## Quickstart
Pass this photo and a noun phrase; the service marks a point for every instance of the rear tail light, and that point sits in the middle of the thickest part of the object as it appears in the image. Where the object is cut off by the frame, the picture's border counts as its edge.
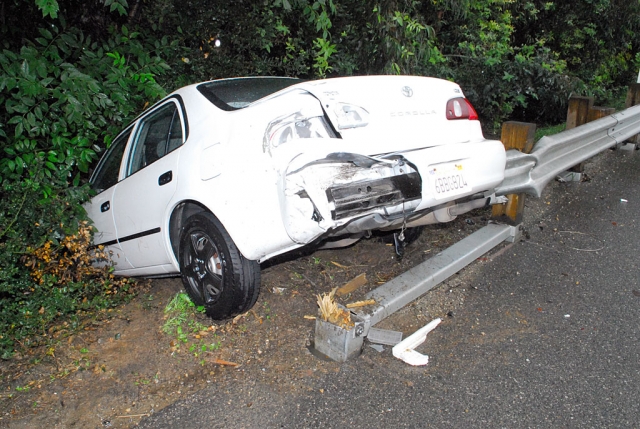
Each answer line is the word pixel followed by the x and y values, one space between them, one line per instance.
pixel 461 108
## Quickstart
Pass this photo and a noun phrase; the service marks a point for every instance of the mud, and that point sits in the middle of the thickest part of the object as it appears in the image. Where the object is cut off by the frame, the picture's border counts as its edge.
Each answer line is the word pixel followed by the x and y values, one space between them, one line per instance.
pixel 121 367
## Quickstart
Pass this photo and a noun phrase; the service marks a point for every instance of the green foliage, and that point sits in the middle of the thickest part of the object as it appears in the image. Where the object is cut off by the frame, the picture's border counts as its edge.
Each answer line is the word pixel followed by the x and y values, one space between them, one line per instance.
pixel 65 96
pixel 180 321
pixel 406 43
pixel 182 324
pixel 503 81
pixel 48 7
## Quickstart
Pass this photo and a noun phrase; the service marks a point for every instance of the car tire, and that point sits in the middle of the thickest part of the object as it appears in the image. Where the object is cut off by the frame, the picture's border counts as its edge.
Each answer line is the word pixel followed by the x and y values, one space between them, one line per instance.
pixel 214 272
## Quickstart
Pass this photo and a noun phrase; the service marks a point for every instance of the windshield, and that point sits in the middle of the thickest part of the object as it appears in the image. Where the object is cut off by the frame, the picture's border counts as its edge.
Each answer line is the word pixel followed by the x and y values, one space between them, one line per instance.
pixel 233 94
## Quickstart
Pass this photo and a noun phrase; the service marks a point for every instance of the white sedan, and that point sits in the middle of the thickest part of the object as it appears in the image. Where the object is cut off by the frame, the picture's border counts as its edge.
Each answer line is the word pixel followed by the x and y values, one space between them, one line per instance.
pixel 223 175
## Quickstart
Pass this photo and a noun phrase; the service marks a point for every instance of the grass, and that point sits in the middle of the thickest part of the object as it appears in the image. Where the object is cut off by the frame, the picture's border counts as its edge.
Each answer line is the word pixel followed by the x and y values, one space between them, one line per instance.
pixel 549 130
pixel 182 324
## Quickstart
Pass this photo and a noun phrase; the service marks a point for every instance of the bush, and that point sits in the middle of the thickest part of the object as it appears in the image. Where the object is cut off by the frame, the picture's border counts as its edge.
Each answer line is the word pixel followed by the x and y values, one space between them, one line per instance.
pixel 65 98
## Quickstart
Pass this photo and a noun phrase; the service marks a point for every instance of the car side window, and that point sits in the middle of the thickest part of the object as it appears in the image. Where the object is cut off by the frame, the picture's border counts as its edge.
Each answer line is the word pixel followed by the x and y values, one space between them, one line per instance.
pixel 157 135
pixel 107 172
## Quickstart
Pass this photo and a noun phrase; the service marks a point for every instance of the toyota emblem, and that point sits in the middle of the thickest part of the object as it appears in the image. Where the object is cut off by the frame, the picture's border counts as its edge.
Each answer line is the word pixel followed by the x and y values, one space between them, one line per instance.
pixel 407 91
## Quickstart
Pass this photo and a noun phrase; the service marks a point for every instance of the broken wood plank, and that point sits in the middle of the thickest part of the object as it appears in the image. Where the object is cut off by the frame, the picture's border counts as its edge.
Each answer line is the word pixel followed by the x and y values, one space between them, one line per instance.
pixel 352 285
pixel 361 303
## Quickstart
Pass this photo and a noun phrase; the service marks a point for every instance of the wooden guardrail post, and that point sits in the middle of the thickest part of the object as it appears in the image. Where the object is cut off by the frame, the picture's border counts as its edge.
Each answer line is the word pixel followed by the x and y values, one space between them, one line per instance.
pixel 578 114
pixel 578 111
pixel 520 136
pixel 633 95
pixel 599 112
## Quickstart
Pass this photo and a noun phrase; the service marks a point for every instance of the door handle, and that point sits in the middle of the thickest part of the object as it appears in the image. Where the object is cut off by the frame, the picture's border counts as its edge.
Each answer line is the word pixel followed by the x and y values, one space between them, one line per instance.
pixel 165 178
pixel 105 206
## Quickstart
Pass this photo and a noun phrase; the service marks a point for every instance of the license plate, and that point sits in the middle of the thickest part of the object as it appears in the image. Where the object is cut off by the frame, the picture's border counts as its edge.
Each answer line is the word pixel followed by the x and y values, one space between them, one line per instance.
pixel 448 180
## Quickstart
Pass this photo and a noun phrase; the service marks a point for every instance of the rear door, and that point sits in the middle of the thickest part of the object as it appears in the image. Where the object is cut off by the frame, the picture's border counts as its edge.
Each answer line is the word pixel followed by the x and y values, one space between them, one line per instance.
pixel 141 200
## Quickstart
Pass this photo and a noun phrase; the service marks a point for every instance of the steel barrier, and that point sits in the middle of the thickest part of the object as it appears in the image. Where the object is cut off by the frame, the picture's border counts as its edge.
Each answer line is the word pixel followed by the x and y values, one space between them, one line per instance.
pixel 552 155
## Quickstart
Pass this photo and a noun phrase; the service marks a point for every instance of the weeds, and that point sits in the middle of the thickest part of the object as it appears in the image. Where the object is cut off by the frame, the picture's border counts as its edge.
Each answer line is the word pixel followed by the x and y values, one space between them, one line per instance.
pixel 181 323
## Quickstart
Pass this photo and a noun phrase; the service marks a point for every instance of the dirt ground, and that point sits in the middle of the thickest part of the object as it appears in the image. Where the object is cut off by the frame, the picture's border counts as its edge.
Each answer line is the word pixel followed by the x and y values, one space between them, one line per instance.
pixel 122 367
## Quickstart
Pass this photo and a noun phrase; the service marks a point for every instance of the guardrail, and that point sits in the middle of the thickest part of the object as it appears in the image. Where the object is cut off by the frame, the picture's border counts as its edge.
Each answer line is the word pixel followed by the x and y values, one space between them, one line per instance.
pixel 530 172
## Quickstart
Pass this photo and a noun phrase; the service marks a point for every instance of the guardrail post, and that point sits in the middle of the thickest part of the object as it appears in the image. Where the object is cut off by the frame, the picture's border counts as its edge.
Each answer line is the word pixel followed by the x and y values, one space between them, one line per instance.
pixel 633 95
pixel 633 98
pixel 599 112
pixel 520 136
pixel 578 111
pixel 578 114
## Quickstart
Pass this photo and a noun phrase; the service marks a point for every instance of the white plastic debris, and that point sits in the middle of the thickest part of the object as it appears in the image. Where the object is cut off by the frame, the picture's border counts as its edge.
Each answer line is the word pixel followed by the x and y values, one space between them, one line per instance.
pixel 404 350
pixel 384 336
pixel 566 316
pixel 622 200
pixel 377 347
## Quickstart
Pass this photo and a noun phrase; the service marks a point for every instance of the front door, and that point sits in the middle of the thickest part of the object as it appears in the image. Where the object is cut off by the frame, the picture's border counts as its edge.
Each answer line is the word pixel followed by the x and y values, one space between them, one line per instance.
pixel 100 209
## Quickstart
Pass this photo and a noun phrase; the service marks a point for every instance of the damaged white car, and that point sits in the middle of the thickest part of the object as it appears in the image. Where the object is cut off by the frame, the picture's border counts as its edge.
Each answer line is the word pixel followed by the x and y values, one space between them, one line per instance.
pixel 223 175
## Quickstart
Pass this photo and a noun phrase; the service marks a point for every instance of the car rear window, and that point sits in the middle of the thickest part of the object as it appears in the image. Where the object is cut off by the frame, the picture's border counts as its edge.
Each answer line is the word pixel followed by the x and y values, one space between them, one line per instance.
pixel 233 94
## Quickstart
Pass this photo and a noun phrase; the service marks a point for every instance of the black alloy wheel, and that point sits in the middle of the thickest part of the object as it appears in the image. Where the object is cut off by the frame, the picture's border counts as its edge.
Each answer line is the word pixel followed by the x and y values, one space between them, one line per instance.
pixel 214 272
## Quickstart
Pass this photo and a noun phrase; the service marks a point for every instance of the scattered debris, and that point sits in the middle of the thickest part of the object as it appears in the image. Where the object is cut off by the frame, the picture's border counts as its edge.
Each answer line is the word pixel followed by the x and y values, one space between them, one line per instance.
pixel 330 312
pixel 309 280
pixel 583 234
pixel 278 290
pixel 306 316
pixel 339 265
pixel 377 347
pixel 361 303
pixel 128 416
pixel 352 285
pixel 384 336
pixel 225 363
pixel 404 350
pixel 622 200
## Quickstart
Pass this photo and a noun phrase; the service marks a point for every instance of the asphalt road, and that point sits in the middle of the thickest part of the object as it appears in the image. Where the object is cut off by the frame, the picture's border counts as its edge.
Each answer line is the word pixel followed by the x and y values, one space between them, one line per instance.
pixel 547 337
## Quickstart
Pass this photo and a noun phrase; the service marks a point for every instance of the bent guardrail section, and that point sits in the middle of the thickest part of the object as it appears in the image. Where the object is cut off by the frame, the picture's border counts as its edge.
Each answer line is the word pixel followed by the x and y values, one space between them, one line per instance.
pixel 552 155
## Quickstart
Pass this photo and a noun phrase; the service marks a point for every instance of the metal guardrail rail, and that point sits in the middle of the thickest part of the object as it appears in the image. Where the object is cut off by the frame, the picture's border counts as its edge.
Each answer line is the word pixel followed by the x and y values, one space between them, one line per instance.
pixel 552 155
